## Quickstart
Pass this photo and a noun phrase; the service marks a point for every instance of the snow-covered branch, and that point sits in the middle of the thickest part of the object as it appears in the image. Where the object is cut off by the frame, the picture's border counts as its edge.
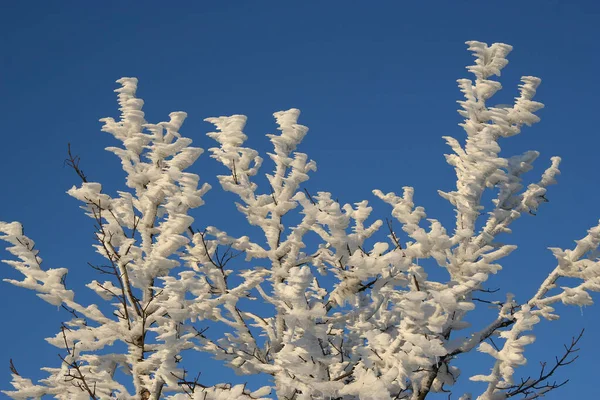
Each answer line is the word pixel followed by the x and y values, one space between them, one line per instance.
pixel 341 308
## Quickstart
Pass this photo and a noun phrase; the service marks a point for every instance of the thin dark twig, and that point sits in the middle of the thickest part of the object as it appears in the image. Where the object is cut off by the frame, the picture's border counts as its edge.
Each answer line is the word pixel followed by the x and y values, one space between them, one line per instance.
pixel 531 388
pixel 393 234
pixel 73 162
pixel 12 368
pixel 309 197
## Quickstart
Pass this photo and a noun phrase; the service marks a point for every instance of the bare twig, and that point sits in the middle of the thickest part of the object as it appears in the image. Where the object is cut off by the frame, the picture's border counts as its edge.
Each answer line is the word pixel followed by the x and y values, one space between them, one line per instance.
pixel 12 368
pixel 73 162
pixel 535 388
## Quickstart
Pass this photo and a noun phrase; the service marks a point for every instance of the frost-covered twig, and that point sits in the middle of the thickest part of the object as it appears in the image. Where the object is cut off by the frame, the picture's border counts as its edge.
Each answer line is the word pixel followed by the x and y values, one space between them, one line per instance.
pixel 342 314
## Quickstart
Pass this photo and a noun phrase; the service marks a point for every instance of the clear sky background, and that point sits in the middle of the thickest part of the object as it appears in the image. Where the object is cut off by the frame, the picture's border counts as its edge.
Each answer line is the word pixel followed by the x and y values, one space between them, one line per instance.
pixel 376 83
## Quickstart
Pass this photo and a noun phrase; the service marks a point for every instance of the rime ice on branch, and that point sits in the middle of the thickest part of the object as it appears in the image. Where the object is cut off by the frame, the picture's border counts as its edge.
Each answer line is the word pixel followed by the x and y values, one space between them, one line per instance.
pixel 352 318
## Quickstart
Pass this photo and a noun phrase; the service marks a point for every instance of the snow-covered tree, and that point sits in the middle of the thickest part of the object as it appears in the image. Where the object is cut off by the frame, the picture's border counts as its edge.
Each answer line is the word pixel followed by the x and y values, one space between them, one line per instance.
pixel 353 317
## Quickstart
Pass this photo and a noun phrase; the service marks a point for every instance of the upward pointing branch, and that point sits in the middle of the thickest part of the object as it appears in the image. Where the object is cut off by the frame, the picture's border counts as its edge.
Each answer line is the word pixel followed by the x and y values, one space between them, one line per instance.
pixel 73 162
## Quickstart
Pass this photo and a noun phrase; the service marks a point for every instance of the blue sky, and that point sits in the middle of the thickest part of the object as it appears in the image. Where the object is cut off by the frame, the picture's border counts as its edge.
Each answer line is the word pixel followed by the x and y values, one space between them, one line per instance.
pixel 376 85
